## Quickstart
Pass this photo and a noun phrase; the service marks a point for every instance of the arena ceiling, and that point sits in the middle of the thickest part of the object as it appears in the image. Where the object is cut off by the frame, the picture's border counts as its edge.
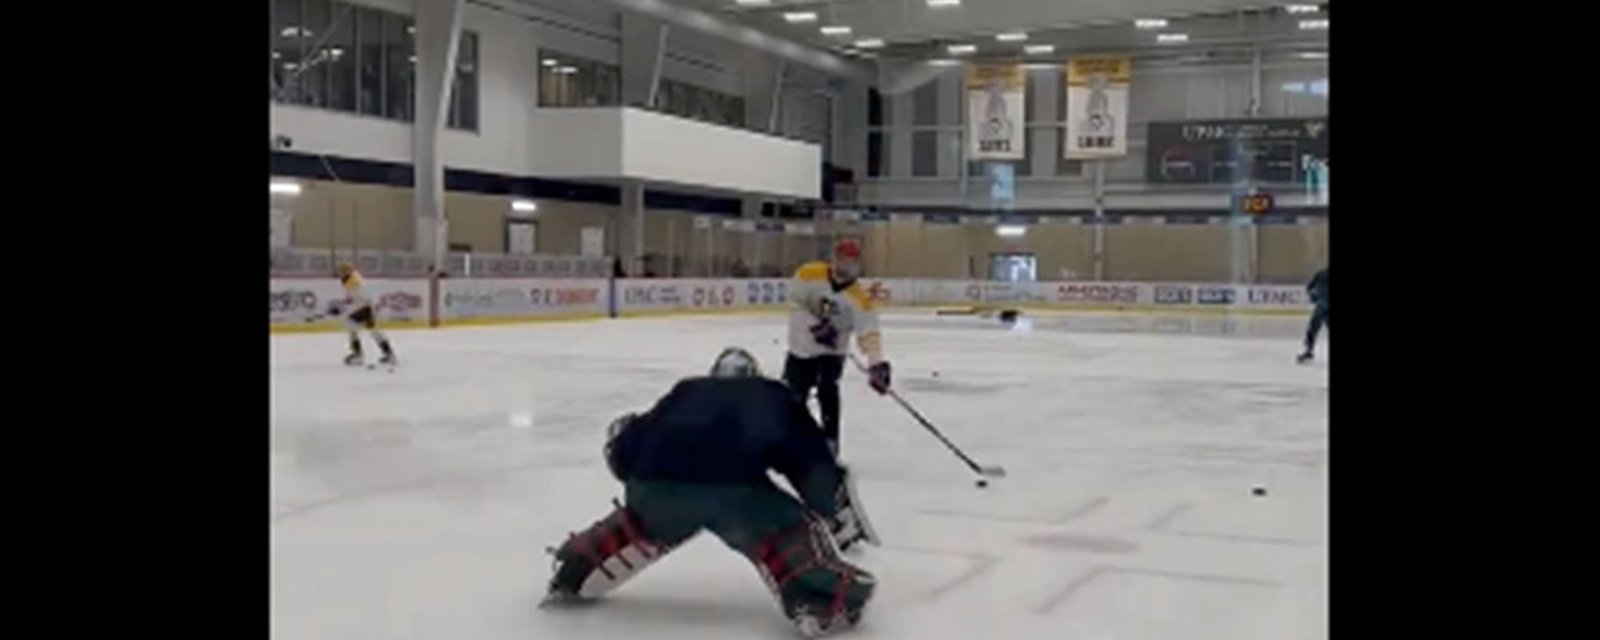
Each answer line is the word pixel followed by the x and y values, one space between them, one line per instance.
pixel 916 29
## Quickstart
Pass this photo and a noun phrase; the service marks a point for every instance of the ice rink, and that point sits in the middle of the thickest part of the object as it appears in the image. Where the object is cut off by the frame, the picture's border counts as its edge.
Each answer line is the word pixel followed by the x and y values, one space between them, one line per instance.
pixel 418 503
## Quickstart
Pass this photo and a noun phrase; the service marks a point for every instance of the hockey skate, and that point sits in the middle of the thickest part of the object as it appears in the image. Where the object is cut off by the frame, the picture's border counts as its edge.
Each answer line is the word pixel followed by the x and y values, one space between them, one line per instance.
pixel 388 359
pixel 355 359
pixel 1303 358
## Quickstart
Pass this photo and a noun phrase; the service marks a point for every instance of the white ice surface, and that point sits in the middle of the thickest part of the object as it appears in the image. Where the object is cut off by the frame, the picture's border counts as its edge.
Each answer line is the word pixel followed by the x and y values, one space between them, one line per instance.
pixel 417 504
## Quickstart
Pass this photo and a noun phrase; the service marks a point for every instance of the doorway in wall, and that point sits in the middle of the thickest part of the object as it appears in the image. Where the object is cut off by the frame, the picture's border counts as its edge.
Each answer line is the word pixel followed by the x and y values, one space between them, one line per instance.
pixel 1013 267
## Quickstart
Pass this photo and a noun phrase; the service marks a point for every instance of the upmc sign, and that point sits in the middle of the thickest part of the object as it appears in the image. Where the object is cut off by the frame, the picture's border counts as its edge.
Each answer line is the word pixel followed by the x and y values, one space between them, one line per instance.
pixel 1276 296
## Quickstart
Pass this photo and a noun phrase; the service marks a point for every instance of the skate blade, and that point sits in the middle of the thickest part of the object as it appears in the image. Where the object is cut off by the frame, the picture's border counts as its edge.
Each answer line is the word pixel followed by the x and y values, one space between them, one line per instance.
pixel 811 626
pixel 562 601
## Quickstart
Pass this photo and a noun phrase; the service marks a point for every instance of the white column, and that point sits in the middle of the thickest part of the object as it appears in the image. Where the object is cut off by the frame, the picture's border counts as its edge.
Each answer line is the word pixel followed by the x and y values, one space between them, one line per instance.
pixel 438 26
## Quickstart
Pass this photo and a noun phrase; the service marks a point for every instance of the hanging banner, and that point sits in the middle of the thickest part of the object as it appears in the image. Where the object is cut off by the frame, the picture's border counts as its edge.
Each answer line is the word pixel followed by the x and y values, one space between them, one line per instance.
pixel 1097 107
pixel 996 111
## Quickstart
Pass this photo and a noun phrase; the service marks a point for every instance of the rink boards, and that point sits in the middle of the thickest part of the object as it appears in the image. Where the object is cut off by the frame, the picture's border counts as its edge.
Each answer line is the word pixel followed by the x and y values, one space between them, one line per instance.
pixel 299 304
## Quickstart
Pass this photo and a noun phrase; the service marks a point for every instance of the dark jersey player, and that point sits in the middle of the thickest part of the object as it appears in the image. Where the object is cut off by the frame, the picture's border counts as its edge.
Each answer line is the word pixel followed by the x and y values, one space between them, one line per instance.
pixel 1318 291
pixel 699 460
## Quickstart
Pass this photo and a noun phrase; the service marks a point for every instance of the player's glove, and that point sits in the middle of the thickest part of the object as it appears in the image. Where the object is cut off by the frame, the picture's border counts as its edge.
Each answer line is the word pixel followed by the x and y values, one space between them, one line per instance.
pixel 825 334
pixel 878 377
pixel 614 461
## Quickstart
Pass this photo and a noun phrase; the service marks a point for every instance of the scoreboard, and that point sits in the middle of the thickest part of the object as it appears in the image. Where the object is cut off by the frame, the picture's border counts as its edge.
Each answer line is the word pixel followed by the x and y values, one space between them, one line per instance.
pixel 1272 151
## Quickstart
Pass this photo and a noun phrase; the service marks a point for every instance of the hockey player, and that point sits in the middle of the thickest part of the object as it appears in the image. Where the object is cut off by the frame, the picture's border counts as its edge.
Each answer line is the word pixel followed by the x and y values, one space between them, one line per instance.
pixel 699 460
pixel 358 313
pixel 829 305
pixel 1317 289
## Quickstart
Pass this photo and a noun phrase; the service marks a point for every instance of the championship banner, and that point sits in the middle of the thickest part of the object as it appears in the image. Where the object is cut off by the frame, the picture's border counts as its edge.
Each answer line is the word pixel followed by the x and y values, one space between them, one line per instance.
pixel 1097 107
pixel 996 111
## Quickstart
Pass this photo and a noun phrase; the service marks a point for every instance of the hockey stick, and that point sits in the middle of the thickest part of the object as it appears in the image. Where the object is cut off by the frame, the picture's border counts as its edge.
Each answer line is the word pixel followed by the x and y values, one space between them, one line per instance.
pixel 987 471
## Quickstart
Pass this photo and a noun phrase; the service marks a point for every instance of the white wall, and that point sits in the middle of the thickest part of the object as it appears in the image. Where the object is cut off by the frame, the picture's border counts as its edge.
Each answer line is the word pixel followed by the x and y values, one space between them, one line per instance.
pixel 576 143
pixel 341 134
pixel 669 149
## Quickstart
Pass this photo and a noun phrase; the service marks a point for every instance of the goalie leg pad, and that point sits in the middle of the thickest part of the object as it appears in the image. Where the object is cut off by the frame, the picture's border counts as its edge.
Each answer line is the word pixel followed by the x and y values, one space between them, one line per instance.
pixel 602 557
pixel 849 524
pixel 818 591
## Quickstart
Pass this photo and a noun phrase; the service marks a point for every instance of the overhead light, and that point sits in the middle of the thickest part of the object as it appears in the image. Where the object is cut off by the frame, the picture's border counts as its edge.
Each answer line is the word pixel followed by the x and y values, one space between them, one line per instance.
pixel 753 3
pixel 1038 49
pixel 276 55
pixel 944 3
pixel 284 187
pixel 549 62
pixel 944 62
pixel 795 17
pixel 411 29
pixel 566 70
pixel 1039 66
pixel 412 59
pixel 1150 23
pixel 1302 8
pixel 836 30
pixel 291 66
pixel 870 43
pixel 1011 231
pixel 1014 36
pixel 1314 25
pixel 961 49
pixel 524 206
pixel 336 52
pixel 1312 55
pixel 295 32
pixel 1172 38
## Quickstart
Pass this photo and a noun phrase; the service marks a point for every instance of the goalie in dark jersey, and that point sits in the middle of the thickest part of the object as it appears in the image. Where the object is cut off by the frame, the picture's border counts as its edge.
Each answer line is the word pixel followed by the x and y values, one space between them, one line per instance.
pixel 699 460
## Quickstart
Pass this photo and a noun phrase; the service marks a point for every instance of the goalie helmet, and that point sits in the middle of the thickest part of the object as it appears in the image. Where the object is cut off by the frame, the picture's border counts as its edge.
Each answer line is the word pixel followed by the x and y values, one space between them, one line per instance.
pixel 734 362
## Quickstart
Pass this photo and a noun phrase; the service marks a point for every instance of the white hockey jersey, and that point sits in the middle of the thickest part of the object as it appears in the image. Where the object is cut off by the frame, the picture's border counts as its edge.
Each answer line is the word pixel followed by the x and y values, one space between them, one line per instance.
pixel 849 308
pixel 355 293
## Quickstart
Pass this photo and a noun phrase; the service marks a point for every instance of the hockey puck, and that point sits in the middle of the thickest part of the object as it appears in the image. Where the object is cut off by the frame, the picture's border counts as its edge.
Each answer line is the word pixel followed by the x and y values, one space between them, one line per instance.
pixel 371 367
pixel 1258 491
pixel 982 483
pixel 936 374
